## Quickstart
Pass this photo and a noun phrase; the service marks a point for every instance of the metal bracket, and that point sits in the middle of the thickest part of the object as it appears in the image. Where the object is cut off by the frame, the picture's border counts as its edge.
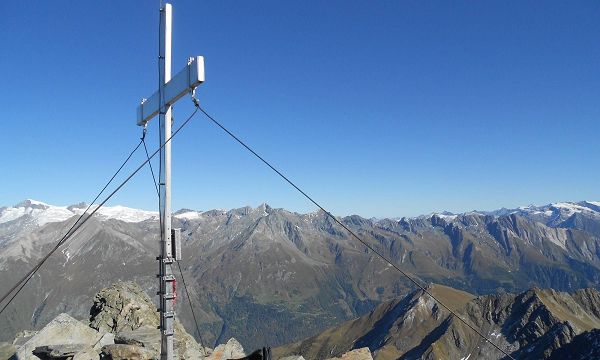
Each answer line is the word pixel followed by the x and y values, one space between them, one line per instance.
pixel 168 260
pixel 169 314
pixel 176 243
pixel 167 277
pixel 195 99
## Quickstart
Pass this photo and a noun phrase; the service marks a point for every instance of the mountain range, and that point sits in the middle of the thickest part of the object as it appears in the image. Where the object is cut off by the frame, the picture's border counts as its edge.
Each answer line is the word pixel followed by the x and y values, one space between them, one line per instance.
pixel 270 276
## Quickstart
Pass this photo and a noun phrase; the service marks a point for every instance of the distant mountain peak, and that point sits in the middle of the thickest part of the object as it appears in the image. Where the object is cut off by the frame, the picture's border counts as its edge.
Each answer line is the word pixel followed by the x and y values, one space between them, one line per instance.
pixel 551 212
pixel 187 214
pixel 42 213
pixel 34 204
pixel 264 208
pixel 81 205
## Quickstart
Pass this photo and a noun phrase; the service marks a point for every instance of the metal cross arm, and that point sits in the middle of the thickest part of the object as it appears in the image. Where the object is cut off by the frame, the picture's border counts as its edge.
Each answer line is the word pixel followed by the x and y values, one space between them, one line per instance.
pixel 183 82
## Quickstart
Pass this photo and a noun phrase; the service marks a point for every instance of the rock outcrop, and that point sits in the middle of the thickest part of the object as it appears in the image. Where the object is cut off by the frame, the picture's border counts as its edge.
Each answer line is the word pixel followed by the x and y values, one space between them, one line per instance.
pixel 6 350
pixel 357 354
pixel 124 351
pixel 62 333
pixel 585 346
pixel 123 306
pixel 231 350
pixel 123 325
pixel 125 310
pixel 58 351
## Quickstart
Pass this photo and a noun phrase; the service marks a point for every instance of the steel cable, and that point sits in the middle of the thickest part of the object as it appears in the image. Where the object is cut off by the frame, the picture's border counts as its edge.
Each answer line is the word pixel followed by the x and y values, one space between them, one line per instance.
pixel 78 224
pixel 69 233
pixel 383 257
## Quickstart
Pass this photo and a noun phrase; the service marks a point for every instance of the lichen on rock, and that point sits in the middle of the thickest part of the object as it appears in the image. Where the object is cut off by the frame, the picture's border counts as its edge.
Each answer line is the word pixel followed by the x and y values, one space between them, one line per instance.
pixel 122 306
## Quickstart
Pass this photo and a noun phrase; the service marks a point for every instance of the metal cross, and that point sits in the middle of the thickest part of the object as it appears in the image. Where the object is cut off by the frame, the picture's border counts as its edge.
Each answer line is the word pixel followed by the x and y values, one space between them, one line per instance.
pixel 170 90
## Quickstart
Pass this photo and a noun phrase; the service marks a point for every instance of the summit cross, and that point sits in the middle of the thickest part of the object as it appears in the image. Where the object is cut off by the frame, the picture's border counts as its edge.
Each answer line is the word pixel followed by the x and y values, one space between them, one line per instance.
pixel 170 90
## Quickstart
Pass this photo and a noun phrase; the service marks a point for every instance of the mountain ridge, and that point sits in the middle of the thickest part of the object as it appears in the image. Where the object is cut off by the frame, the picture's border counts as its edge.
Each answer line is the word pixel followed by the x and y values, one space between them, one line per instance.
pixel 128 214
pixel 297 273
pixel 534 324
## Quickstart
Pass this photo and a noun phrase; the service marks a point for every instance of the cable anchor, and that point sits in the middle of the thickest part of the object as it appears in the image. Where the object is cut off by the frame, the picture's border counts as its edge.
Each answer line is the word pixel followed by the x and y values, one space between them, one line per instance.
pixel 195 99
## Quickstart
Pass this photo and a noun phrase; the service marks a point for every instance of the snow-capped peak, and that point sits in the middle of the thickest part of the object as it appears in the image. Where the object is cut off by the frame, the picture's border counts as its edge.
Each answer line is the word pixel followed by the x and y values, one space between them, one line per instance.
pixel 551 212
pixel 571 208
pixel 560 211
pixel 445 215
pixel 41 213
pixel 30 203
pixel 187 214
pixel 119 212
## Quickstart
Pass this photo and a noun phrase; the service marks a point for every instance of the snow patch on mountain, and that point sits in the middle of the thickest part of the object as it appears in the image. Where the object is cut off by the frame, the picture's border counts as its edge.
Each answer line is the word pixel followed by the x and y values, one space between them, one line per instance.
pixel 32 203
pixel 558 212
pixel 571 208
pixel 562 209
pixel 119 212
pixel 42 213
pixel 188 215
pixel 444 215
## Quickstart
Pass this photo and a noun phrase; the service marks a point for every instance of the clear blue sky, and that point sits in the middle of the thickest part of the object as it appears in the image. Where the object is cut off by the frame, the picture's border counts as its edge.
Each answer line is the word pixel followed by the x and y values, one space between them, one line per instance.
pixel 378 108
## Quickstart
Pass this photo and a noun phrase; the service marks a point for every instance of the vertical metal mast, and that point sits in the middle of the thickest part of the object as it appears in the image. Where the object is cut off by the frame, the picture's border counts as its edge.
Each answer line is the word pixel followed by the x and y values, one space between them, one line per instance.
pixel 169 91
pixel 167 311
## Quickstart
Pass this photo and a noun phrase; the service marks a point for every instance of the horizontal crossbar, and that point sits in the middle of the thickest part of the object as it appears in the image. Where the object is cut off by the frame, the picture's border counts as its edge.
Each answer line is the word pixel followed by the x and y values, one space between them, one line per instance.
pixel 183 82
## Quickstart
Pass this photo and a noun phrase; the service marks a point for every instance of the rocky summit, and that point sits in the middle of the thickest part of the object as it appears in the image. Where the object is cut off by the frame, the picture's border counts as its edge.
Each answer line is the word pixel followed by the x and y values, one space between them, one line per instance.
pixel 122 326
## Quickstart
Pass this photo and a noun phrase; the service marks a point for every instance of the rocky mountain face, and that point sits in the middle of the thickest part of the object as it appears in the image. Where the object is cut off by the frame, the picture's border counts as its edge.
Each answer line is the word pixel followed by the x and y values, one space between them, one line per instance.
pixel 269 276
pixel 123 326
pixel 535 324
